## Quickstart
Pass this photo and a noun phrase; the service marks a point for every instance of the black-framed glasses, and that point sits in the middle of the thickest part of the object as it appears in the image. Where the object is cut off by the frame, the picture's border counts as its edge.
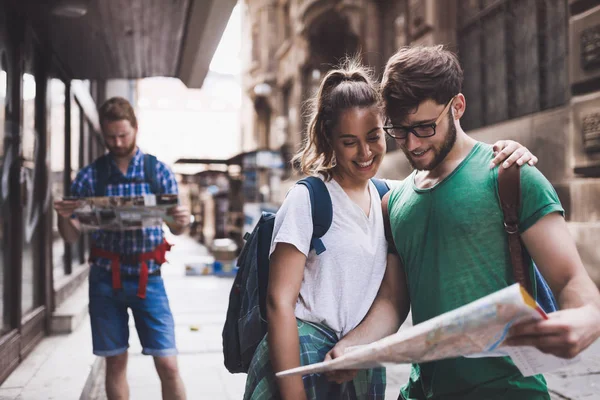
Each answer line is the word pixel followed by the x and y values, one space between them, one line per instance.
pixel 420 131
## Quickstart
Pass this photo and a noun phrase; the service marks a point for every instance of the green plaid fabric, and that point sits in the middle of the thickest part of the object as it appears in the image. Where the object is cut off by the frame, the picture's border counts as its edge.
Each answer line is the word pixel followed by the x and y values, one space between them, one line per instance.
pixel 315 342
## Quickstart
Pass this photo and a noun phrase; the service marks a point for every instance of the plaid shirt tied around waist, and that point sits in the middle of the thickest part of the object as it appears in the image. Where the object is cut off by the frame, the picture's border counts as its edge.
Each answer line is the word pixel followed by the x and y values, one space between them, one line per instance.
pixel 315 341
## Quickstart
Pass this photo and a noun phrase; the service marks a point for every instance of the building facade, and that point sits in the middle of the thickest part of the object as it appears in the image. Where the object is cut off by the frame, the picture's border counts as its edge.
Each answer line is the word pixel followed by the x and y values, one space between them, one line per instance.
pixel 532 73
pixel 50 129
pixel 58 62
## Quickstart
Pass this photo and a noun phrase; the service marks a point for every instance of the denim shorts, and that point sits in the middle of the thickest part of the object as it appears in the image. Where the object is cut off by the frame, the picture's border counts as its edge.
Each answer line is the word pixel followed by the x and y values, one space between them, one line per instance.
pixel 110 319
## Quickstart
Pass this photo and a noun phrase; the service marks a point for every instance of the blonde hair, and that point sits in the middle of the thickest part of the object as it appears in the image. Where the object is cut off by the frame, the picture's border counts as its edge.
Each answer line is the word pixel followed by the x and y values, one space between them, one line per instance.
pixel 350 85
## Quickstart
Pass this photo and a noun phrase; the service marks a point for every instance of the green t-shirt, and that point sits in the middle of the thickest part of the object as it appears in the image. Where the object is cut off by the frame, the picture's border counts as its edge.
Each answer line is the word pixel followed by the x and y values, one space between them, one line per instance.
pixel 454 249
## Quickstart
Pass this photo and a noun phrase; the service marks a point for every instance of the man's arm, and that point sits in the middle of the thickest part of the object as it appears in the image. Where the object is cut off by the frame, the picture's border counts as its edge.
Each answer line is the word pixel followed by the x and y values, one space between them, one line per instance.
pixel 68 227
pixel 180 215
pixel 181 219
pixel 388 311
pixel 567 332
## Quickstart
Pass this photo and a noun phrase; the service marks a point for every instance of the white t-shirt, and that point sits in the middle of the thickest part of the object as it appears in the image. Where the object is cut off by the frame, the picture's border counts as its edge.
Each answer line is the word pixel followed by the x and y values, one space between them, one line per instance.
pixel 340 284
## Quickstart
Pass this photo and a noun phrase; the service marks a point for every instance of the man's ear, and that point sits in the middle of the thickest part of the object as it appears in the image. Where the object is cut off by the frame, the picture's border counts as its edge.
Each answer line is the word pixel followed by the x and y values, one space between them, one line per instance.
pixel 458 106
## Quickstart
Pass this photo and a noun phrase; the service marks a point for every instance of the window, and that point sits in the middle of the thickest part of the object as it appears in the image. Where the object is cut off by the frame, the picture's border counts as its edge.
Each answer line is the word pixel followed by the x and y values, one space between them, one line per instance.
pixel 56 92
pixel 286 150
pixel 513 53
pixel 255 44
pixel 75 137
pixel 77 162
pixel 32 277
pixel 4 315
pixel 286 27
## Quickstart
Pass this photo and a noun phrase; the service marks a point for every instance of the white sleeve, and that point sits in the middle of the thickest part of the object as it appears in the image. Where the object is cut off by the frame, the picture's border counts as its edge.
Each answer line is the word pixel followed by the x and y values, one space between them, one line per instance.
pixel 293 222
pixel 392 183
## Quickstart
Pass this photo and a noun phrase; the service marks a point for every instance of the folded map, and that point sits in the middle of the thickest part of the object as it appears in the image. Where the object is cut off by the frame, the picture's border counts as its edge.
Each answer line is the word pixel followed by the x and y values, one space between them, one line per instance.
pixel 477 329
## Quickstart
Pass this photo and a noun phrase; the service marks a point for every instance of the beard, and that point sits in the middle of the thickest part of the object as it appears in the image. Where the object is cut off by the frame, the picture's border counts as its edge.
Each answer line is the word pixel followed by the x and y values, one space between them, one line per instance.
pixel 439 153
pixel 123 151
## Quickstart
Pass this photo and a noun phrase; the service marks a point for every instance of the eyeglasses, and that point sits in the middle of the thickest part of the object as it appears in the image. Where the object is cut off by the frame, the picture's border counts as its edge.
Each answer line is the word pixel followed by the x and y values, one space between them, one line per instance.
pixel 420 131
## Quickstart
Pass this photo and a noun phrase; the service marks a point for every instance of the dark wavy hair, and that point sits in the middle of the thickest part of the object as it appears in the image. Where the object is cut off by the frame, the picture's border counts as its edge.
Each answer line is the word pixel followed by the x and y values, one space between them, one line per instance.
pixel 418 73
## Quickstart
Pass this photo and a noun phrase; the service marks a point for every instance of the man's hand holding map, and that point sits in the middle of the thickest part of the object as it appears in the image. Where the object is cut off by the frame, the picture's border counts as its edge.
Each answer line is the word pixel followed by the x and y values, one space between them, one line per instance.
pixel 123 212
pixel 478 329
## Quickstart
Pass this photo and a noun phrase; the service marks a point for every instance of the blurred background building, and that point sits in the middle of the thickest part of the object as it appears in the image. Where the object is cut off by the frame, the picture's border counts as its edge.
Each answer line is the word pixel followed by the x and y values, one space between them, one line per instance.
pixel 532 73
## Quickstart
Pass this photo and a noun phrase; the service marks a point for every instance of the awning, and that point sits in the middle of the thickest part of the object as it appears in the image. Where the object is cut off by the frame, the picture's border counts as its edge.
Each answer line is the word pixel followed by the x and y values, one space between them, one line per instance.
pixel 130 39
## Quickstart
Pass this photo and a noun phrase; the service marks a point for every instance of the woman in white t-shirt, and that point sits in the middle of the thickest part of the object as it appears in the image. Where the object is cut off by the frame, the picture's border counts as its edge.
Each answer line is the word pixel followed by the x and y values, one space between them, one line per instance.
pixel 313 301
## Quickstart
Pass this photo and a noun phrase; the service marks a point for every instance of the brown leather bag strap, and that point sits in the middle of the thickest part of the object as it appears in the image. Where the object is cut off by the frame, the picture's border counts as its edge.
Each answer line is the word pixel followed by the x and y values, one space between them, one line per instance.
pixel 509 190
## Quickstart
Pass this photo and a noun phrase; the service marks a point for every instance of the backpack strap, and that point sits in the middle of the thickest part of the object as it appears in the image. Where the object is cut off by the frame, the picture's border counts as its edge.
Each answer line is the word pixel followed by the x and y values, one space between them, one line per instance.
pixel 381 186
pixel 322 215
pixel 509 191
pixel 383 190
pixel 102 175
pixel 150 177
pixel 321 208
pixel 387 226
pixel 103 168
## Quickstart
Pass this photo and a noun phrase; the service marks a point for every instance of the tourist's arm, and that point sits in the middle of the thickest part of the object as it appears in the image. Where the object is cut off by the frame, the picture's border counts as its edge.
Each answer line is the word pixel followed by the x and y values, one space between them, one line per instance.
pixel 567 332
pixel 510 152
pixel 180 219
pixel 387 313
pixel 286 271
pixel 68 227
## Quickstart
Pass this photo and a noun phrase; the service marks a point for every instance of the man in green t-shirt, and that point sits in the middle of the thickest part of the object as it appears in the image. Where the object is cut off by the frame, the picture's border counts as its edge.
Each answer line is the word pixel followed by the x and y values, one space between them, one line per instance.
pixel 447 226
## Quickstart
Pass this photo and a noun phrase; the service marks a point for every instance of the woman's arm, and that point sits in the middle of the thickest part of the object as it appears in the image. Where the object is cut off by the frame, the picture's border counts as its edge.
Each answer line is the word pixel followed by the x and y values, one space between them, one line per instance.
pixel 511 152
pixel 285 279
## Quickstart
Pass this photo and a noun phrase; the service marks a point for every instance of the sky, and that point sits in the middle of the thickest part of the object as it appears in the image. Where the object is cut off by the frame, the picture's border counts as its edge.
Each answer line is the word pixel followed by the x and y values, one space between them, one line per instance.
pixel 227 56
pixel 177 122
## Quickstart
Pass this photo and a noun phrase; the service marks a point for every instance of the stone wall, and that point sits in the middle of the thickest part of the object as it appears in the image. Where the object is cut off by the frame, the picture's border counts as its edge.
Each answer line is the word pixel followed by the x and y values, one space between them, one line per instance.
pixel 566 139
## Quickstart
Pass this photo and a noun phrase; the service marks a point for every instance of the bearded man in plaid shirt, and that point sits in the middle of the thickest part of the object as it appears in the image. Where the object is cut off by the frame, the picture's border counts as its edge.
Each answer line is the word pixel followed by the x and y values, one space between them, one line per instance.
pixel 125 265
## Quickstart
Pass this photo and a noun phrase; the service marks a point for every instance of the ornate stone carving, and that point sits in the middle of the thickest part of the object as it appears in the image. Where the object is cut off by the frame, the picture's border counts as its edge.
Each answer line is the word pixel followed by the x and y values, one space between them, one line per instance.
pixel 420 18
pixel 590 48
pixel 590 127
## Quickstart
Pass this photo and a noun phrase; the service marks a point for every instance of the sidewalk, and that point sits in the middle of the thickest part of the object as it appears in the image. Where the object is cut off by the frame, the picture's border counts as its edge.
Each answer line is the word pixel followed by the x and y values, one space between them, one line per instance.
pixel 201 301
pixel 59 368
pixel 197 302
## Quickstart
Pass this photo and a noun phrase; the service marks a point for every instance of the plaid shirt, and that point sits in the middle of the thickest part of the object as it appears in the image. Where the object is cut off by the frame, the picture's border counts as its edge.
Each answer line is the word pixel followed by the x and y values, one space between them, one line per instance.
pixel 132 184
pixel 315 341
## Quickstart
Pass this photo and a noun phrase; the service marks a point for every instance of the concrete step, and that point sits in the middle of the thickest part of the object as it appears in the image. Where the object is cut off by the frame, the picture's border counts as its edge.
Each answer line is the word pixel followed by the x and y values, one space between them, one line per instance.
pixel 59 368
pixel 94 388
pixel 69 315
